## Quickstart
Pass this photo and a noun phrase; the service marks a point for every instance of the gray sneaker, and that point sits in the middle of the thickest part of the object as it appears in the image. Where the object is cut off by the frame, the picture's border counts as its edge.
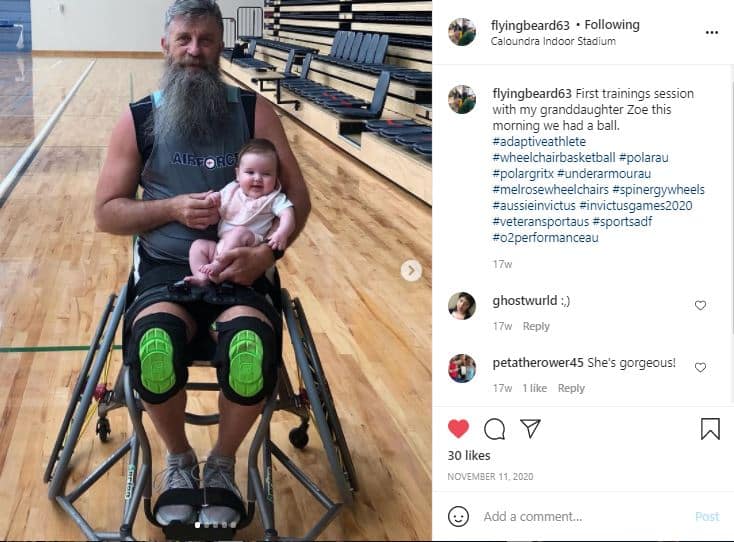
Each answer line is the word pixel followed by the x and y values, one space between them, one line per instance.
pixel 181 472
pixel 219 472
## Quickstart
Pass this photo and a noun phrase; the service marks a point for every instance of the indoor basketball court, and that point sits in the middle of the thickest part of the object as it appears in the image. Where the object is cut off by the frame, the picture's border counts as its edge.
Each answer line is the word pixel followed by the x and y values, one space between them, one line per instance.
pixel 367 166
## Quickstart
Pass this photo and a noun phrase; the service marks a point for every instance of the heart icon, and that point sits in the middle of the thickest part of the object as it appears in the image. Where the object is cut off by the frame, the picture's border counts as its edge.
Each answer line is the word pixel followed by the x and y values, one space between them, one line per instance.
pixel 458 427
pixel 700 366
pixel 700 304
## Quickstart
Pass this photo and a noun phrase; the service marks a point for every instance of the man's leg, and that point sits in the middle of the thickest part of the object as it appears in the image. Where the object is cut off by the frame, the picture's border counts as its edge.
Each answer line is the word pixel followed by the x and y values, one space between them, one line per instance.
pixel 169 417
pixel 236 418
pixel 235 422
pixel 159 330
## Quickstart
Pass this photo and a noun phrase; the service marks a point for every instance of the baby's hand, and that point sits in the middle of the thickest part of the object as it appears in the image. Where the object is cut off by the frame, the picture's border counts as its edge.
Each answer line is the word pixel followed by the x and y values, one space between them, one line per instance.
pixel 277 241
pixel 214 199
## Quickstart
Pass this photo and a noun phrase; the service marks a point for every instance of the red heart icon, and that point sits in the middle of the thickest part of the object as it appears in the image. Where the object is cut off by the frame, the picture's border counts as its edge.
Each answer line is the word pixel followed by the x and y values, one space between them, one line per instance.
pixel 458 427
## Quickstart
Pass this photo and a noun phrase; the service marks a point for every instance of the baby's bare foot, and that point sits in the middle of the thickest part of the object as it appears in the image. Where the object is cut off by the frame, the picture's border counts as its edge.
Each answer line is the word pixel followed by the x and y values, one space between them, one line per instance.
pixel 209 268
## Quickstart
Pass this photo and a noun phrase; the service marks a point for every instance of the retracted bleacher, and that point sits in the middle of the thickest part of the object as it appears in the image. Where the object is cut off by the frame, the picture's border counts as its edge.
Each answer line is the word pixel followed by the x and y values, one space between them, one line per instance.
pixel 355 50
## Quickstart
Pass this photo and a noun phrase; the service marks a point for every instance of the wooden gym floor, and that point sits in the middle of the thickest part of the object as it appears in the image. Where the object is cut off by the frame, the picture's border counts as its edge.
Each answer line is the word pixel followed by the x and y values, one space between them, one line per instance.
pixel 372 328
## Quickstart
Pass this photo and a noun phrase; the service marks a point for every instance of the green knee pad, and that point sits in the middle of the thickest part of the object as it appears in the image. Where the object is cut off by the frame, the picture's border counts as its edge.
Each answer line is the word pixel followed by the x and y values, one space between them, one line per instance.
pixel 157 371
pixel 246 363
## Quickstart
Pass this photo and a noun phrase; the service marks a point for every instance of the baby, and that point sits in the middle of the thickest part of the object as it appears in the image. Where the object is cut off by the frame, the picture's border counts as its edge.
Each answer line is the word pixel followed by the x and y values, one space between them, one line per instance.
pixel 247 208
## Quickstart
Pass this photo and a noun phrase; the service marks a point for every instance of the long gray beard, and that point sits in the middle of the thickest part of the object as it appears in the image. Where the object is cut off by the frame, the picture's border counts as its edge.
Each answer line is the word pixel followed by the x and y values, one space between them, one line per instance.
pixel 194 104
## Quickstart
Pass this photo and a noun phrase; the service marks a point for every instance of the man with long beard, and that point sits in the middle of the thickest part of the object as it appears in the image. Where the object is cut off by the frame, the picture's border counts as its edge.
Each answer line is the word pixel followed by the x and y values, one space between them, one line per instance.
pixel 179 145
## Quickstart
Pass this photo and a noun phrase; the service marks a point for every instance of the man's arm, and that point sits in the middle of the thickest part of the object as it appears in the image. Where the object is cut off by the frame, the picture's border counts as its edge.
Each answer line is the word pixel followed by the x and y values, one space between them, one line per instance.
pixel 117 211
pixel 244 265
pixel 268 126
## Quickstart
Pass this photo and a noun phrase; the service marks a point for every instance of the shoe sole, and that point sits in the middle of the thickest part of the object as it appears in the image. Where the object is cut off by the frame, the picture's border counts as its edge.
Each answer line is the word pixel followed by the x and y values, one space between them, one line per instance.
pixel 190 518
pixel 204 520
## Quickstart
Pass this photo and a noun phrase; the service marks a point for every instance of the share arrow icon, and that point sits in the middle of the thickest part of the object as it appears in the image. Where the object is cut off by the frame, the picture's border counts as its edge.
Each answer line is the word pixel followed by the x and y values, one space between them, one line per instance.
pixel 531 426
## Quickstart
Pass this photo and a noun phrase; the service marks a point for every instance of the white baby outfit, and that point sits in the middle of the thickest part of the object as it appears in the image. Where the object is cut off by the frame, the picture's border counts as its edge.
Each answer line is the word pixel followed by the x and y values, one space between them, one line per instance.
pixel 257 214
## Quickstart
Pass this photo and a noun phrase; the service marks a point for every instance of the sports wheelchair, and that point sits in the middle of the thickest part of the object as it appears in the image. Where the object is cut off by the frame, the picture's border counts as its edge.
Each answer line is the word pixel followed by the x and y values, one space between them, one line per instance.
pixel 312 400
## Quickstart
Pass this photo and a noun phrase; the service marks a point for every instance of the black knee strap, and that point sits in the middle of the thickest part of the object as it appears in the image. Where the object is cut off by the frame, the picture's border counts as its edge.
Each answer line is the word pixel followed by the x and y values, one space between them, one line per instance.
pixel 226 294
pixel 176 329
pixel 227 331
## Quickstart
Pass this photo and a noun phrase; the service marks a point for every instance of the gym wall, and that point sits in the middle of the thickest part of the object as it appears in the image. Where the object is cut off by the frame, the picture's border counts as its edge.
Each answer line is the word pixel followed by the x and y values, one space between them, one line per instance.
pixel 106 25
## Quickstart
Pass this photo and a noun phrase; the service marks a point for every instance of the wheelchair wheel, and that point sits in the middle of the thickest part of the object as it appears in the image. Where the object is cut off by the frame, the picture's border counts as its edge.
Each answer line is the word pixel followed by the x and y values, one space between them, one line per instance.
pixel 103 429
pixel 298 436
pixel 322 396
pixel 82 394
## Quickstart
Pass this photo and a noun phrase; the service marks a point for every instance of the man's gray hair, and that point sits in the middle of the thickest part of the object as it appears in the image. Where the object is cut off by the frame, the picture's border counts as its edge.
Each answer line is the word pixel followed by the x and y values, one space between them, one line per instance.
pixel 193 8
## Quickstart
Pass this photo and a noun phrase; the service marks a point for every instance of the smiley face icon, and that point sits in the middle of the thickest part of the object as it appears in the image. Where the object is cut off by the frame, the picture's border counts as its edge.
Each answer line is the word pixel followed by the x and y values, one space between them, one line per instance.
pixel 458 516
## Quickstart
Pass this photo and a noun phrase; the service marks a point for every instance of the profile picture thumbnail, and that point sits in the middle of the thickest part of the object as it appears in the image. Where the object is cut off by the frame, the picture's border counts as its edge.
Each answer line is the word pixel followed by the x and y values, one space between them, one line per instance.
pixel 462 31
pixel 462 368
pixel 462 306
pixel 462 99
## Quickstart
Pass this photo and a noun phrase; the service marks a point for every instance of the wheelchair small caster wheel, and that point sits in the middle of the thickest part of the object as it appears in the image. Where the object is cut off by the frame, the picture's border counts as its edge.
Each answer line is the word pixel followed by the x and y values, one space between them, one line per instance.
pixel 103 429
pixel 298 437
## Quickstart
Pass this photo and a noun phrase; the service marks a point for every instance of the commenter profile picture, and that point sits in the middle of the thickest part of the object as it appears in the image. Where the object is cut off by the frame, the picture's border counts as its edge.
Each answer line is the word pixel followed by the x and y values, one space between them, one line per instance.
pixel 462 306
pixel 462 368
pixel 462 99
pixel 462 31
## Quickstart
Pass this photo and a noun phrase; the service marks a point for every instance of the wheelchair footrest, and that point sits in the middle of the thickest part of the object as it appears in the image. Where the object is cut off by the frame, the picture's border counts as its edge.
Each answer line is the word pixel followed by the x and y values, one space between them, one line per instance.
pixel 197 531
pixel 199 499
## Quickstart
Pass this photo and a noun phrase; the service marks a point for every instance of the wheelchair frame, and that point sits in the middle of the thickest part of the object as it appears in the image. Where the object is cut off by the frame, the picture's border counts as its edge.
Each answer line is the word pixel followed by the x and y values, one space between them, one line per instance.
pixel 315 397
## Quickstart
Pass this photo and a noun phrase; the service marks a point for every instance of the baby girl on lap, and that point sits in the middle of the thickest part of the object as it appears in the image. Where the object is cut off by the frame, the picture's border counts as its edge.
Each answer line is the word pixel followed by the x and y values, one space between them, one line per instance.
pixel 247 209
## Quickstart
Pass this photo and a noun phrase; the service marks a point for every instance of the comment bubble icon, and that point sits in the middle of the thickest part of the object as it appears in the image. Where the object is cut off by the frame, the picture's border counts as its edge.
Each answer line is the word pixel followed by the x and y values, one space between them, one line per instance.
pixel 495 429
